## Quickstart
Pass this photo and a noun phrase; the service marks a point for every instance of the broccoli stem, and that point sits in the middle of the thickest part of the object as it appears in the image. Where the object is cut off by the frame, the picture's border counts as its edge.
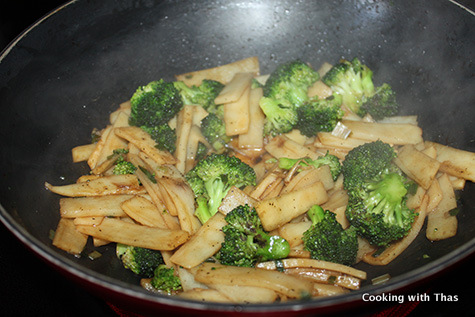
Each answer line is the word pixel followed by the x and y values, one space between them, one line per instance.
pixel 275 248
pixel 208 207
pixel 386 196
pixel 217 190
pixel 287 163
pixel 316 214
pixel 328 159
pixel 202 210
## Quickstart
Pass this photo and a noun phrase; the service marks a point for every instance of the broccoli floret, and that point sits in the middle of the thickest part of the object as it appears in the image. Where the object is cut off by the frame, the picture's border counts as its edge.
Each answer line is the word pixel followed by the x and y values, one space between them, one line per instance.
pixel 281 115
pixel 327 240
pixel 319 115
pixel 214 130
pixel 202 95
pixel 366 163
pixel 212 178
pixel 381 104
pixel 290 81
pixel 353 81
pixel 118 155
pixel 284 91
pixel 377 192
pixel 211 89
pixel 163 135
pixel 121 167
pixel 124 167
pixel 328 159
pixel 154 104
pixel 379 212
pixel 164 279
pixel 202 152
pixel 139 260
pixel 246 242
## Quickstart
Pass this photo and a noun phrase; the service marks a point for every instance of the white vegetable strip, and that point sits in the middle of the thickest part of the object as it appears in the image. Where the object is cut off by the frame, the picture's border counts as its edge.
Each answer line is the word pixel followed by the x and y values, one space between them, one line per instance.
pixel 288 285
pixel 202 245
pixel 116 230
pixel 107 185
pixel 106 206
pixel 393 133
pixel 67 238
pixel 277 211
pixel 223 73
pixel 233 90
pixel 317 264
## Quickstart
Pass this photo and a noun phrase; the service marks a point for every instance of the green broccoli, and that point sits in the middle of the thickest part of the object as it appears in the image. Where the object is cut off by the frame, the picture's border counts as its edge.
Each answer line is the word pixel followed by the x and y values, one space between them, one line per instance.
pixel 328 159
pixel 366 163
pixel 284 91
pixel 214 130
pixel 164 279
pixel 281 115
pixel 354 82
pixel 211 89
pixel 381 104
pixel 121 166
pixel 139 260
pixel 290 81
pixel 154 104
pixel 124 167
pixel 202 152
pixel 163 135
pixel 327 240
pixel 318 115
pixel 246 242
pixel 212 178
pixel 202 95
pixel 377 192
pixel 118 155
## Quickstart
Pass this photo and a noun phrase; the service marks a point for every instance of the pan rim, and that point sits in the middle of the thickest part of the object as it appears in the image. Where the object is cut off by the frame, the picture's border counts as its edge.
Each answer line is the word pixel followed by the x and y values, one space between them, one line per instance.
pixel 99 280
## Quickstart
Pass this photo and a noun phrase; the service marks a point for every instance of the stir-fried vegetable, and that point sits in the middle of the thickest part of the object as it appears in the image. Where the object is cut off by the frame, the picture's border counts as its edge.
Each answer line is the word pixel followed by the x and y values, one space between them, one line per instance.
pixel 230 186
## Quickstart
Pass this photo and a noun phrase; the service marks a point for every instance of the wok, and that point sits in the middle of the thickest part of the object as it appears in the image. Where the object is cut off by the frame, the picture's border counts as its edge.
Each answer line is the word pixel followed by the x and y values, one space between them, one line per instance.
pixel 65 74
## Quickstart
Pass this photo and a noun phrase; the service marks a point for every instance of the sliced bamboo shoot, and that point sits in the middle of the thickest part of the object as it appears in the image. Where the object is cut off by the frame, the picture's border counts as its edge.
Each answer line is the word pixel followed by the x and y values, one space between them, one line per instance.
pixel 82 152
pixel 311 263
pixel 285 284
pixel 455 162
pixel 98 206
pixel 145 143
pixel 202 245
pixel 116 230
pixel 67 238
pixel 393 133
pixel 277 211
pixel 418 166
pixel 236 114
pixel 223 73
pixel 254 137
pixel 107 185
pixel 441 224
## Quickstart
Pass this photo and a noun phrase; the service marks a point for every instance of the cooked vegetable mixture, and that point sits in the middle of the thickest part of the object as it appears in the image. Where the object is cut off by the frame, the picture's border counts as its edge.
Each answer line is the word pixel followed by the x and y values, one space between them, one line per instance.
pixel 226 185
